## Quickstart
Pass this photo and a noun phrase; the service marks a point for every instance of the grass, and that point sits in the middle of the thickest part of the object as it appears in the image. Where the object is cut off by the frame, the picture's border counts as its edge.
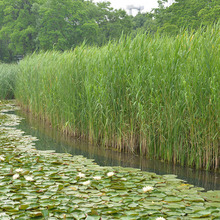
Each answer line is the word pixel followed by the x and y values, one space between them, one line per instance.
pixel 7 80
pixel 158 96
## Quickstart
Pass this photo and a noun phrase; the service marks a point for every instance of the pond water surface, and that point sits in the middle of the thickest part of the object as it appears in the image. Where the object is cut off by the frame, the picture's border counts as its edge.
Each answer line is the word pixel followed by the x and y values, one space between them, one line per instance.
pixel 51 139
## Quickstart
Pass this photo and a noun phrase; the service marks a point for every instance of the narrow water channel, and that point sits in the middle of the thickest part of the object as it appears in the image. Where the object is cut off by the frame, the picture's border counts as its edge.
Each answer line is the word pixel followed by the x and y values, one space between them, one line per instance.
pixel 51 139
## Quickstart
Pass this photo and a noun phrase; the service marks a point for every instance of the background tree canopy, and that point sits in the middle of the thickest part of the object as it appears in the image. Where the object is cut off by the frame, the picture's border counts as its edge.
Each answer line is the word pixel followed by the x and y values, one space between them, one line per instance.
pixel 31 25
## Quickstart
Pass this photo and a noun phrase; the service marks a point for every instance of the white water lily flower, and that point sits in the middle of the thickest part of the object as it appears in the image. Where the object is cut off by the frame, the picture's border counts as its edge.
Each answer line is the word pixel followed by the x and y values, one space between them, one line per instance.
pixel 3 214
pixel 86 183
pixel 19 170
pixel 29 178
pixel 148 188
pixel 110 174
pixel 160 218
pixel 2 158
pixel 97 177
pixel 81 175
pixel 16 176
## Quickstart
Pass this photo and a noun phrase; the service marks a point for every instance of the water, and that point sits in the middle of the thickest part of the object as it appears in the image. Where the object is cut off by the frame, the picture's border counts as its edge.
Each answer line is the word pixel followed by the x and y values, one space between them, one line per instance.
pixel 51 139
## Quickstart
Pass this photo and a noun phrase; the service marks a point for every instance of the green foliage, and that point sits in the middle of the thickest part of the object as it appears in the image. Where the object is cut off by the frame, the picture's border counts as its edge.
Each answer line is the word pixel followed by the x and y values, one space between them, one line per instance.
pixel 32 25
pixel 189 13
pixel 69 27
pixel 27 26
pixel 49 185
pixel 144 22
pixel 8 74
pixel 155 95
pixel 18 26
pixel 112 22
pixel 169 29
pixel 183 14
pixel 210 14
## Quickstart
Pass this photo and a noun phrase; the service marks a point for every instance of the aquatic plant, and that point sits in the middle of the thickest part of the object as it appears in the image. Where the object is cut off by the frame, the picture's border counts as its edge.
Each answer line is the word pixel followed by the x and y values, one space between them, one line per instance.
pixel 158 96
pixel 7 80
pixel 147 188
pixel 49 186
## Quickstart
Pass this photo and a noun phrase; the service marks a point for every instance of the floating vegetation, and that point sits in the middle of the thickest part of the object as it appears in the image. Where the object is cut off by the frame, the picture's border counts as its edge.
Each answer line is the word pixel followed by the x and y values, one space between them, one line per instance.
pixel 47 185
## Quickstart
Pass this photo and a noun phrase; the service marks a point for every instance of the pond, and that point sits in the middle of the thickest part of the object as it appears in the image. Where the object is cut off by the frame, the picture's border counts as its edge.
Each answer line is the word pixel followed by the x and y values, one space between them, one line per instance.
pixel 51 139
pixel 42 184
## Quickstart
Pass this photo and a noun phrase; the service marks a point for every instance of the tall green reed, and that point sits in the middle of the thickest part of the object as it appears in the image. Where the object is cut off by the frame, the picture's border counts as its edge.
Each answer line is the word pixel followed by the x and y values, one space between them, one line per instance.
pixel 7 80
pixel 158 96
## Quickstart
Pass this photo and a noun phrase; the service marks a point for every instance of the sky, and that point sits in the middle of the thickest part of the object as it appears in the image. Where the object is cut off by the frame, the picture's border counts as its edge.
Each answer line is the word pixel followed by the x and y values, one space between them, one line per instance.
pixel 148 4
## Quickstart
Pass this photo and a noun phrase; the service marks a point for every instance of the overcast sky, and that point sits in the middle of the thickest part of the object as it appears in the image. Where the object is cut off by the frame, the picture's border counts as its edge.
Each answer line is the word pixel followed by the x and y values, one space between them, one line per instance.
pixel 148 4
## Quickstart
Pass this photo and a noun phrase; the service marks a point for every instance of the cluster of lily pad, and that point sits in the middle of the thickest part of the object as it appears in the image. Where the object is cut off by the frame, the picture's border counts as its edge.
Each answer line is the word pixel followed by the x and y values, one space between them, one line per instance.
pixel 47 185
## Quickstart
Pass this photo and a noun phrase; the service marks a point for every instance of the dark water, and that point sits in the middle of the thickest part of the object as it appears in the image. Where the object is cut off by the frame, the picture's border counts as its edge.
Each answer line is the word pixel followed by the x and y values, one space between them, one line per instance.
pixel 51 139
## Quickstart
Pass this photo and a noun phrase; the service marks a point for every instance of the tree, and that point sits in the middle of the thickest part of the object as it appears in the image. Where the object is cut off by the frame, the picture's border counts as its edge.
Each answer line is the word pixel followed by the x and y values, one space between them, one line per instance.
pixel 18 26
pixel 63 24
pixel 144 22
pixel 187 14
pixel 5 53
pixel 211 13
pixel 112 23
pixel 29 25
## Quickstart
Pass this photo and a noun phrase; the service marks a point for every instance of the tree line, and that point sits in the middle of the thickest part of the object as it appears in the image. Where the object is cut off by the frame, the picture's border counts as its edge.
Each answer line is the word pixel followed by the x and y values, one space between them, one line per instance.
pixel 32 25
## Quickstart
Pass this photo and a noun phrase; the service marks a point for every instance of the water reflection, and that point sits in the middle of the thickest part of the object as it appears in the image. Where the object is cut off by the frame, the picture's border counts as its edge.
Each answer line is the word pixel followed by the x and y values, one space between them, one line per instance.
pixel 50 139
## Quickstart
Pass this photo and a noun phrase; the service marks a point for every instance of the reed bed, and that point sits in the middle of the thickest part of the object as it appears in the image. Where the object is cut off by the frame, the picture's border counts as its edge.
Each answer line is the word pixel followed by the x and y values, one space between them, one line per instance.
pixel 158 96
pixel 7 80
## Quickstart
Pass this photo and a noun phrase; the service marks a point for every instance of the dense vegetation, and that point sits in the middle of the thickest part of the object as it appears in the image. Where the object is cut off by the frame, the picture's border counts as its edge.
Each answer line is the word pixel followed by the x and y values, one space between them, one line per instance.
pixel 153 90
pixel 8 74
pixel 182 14
pixel 155 95
pixel 26 26
pixel 33 25
pixel 47 185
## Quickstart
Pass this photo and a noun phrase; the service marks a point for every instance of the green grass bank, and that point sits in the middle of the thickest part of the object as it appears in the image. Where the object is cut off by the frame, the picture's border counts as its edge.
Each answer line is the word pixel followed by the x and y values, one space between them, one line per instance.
pixel 7 80
pixel 158 96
